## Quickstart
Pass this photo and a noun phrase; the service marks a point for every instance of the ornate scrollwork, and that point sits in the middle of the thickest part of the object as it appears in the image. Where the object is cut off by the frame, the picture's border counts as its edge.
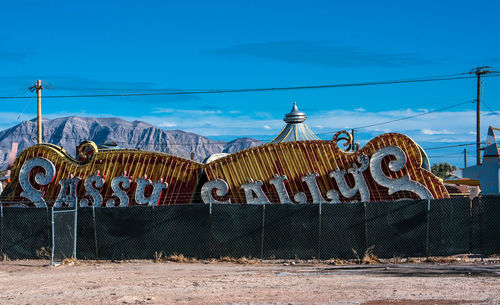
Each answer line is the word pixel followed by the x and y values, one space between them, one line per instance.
pixel 343 136
pixel 86 151
pixel 400 184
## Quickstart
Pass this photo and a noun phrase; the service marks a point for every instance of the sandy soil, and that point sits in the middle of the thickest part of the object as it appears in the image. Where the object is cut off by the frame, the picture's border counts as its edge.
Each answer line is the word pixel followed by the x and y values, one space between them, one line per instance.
pixel 144 282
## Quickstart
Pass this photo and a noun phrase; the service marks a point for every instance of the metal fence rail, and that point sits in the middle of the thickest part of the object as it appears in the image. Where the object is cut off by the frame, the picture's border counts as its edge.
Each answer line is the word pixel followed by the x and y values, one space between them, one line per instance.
pixel 347 230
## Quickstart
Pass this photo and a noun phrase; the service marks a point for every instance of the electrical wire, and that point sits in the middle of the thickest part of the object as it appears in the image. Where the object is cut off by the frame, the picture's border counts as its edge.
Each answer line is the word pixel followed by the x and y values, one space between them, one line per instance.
pixel 414 116
pixel 447 156
pixel 450 146
pixel 215 91
pixel 403 118
pixel 90 89
pixel 218 142
pixel 491 110
pixel 461 155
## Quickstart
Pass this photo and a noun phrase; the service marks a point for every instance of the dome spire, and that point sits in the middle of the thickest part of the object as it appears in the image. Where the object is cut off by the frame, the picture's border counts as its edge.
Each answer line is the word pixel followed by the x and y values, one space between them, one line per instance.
pixel 295 129
pixel 295 116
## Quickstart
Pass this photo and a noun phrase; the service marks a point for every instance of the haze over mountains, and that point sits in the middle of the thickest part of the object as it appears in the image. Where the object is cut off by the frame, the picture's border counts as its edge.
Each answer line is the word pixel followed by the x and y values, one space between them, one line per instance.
pixel 68 132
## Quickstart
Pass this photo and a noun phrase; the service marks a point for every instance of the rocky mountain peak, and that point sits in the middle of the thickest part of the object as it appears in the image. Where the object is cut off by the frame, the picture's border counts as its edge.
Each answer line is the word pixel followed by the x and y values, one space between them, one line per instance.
pixel 68 132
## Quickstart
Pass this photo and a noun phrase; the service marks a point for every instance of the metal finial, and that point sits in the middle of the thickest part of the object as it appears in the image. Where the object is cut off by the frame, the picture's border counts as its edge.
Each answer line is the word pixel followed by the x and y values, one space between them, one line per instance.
pixel 295 129
pixel 295 116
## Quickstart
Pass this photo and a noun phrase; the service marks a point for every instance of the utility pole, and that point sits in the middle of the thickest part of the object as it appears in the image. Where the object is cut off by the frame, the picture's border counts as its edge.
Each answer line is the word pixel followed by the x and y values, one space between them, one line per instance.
pixel 478 72
pixel 38 87
pixel 465 157
pixel 353 143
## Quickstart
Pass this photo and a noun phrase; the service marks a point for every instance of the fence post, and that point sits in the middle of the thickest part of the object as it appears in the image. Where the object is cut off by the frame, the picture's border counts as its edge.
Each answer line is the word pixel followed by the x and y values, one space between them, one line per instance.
pixel 53 239
pixel 481 232
pixel 50 230
pixel 470 225
pixel 262 231
pixel 366 226
pixel 319 231
pixel 209 248
pixel 1 229
pixel 75 228
pixel 95 233
pixel 427 228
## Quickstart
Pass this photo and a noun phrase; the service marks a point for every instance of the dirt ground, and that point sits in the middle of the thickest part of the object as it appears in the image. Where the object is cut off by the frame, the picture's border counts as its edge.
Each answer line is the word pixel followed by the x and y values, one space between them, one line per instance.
pixel 147 282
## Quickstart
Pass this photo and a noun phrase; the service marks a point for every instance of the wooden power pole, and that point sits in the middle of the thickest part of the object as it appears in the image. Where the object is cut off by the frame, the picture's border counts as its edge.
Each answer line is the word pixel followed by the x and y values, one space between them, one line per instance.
pixel 478 72
pixel 38 87
pixel 353 147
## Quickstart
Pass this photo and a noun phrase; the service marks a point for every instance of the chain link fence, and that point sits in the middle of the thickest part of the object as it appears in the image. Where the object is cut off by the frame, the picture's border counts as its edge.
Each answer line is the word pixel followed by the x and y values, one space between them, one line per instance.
pixel 391 229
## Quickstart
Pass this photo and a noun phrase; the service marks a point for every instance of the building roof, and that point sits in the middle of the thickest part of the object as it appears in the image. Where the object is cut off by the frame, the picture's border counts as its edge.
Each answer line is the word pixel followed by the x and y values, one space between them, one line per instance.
pixel 295 129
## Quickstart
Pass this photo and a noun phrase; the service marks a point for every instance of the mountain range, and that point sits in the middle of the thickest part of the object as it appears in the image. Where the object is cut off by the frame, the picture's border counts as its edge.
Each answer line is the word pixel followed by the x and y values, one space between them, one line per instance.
pixel 68 132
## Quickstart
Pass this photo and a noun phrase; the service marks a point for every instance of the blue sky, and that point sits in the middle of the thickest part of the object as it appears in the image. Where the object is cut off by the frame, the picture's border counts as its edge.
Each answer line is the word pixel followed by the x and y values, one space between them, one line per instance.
pixel 138 46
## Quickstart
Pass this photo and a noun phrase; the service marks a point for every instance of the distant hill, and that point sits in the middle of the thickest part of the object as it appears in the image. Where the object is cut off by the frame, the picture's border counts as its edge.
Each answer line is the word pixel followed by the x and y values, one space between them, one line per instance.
pixel 68 132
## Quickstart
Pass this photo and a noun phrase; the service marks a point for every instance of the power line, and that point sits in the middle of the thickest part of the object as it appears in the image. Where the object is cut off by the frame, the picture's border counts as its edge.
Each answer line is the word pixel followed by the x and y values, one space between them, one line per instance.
pixel 416 115
pixel 450 146
pixel 256 140
pixel 448 156
pixel 90 89
pixel 215 91
pixel 404 118
pixel 220 143
pixel 491 110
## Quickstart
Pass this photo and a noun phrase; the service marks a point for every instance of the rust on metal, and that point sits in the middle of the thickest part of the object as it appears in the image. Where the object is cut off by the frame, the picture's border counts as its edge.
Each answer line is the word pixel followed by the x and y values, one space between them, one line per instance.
pixel 389 167
pixel 180 174
pixel 297 159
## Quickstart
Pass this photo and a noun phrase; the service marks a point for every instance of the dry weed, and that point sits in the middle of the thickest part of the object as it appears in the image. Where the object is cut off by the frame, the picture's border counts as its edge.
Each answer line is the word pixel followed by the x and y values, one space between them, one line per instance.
pixel 443 260
pixel 43 253
pixel 358 260
pixel 397 260
pixel 337 262
pixel 370 258
pixel 242 260
pixel 179 258
pixel 70 261
pixel 158 257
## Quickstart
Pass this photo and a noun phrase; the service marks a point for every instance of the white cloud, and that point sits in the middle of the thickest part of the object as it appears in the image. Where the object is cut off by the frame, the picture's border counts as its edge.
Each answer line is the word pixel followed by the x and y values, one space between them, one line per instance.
pixel 446 126
pixel 262 114
pixel 427 131
pixel 360 109
pixel 171 110
pixel 167 124
pixel 163 110
pixel 234 111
